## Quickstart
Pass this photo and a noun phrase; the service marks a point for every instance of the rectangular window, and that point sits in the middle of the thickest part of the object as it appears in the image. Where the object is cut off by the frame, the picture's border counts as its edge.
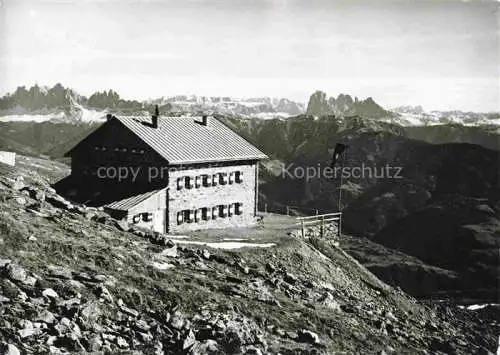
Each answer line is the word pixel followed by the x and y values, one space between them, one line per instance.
pixel 238 176
pixel 222 211
pixel 180 217
pixel 180 183
pixel 223 178
pixel 136 218
pixel 189 182
pixel 231 177
pixel 206 180
pixel 185 215
pixel 198 181
pixel 238 208
pixel 147 216
pixel 215 179
pixel 204 214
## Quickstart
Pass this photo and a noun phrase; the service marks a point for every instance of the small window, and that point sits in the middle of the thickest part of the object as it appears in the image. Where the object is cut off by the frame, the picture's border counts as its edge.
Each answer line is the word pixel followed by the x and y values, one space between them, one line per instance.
pixel 134 150
pixel 96 148
pixel 124 150
pixel 148 217
pixel 197 215
pixel 215 212
pixel 103 148
pixel 238 176
pixel 238 208
pixel 180 217
pixel 136 218
pixel 180 183
pixel 191 216
pixel 197 181
pixel 141 151
pixel 117 149
pixel 204 214
pixel 206 181
pixel 223 178
pixel 185 215
pixel 215 179
pixel 187 182
pixel 223 211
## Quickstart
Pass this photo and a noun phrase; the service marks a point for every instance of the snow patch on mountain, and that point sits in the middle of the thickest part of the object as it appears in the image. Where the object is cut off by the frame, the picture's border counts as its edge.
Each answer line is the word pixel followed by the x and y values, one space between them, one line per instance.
pixel 32 117
pixel 259 107
pixel 416 116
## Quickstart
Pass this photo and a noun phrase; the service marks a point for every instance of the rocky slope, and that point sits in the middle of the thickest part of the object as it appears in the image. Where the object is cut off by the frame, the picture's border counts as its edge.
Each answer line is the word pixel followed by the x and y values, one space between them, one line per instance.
pixel 74 280
pixel 371 204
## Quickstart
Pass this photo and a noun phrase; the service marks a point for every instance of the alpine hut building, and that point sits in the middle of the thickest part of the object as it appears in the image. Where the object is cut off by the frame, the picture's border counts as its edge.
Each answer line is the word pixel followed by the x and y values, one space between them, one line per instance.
pixel 167 174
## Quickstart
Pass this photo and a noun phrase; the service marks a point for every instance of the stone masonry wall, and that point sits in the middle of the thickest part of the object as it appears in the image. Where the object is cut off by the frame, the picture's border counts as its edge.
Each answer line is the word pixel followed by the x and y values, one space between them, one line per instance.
pixel 199 197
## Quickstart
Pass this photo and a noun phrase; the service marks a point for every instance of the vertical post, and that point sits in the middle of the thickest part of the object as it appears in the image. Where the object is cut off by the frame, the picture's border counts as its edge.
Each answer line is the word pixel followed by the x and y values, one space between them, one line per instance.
pixel 287 210
pixel 265 208
pixel 302 227
pixel 339 226
pixel 322 225
pixel 317 212
pixel 340 190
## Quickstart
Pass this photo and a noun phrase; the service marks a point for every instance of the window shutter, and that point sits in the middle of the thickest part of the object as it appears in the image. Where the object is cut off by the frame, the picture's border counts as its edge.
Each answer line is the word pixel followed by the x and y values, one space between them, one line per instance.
pixel 198 181
pixel 238 208
pixel 215 178
pixel 231 177
pixel 197 215
pixel 239 176
pixel 231 209
pixel 223 178
pixel 136 218
pixel 215 212
pixel 207 181
pixel 179 217
pixel 224 211
pixel 191 216
pixel 180 183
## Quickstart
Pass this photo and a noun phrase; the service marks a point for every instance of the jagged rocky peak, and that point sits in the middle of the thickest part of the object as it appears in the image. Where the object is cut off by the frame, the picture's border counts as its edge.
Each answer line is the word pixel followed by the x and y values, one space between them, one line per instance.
pixel 343 105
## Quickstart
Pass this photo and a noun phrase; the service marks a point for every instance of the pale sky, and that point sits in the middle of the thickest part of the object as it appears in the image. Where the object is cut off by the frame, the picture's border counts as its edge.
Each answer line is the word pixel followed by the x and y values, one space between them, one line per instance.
pixel 441 55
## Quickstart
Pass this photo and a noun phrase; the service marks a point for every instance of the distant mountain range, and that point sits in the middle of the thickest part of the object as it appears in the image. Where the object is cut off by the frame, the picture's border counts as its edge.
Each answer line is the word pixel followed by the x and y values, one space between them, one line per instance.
pixel 61 104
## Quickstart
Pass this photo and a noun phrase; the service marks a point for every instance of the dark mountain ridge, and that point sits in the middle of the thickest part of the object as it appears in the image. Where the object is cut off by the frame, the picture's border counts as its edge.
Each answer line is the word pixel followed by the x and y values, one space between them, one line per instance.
pixel 344 105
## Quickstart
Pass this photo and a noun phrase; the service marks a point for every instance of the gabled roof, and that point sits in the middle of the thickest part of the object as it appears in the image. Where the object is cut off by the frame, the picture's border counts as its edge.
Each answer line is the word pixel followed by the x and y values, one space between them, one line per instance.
pixel 181 140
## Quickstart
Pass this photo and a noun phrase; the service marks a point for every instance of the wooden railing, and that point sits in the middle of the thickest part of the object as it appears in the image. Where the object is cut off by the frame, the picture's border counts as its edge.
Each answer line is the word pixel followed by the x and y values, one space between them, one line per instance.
pixel 286 209
pixel 320 220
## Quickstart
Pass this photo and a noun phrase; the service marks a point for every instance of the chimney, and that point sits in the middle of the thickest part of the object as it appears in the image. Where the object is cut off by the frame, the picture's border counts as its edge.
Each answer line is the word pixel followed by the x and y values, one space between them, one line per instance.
pixel 109 117
pixel 204 120
pixel 154 118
